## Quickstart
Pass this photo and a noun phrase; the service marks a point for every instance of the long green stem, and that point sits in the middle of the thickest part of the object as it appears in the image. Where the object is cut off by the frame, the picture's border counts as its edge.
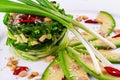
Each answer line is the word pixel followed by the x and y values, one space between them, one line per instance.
pixel 45 2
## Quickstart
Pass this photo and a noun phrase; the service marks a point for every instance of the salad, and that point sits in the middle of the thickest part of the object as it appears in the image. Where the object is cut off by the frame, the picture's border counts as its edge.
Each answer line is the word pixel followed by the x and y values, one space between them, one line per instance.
pixel 39 29
pixel 33 37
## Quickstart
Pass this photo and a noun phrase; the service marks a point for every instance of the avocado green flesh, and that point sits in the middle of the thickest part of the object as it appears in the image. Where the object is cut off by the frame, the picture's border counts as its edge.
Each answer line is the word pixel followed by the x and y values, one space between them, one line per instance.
pixel 51 73
pixel 88 66
pixel 75 71
pixel 108 22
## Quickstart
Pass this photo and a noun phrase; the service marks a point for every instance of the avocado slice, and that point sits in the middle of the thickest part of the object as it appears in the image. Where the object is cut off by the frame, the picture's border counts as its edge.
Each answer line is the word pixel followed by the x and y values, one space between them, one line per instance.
pixel 108 22
pixel 53 71
pixel 71 69
pixel 85 62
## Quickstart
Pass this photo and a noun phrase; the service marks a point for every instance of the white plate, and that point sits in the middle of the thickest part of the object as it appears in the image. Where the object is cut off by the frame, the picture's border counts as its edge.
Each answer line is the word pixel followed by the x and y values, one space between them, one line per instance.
pixel 76 7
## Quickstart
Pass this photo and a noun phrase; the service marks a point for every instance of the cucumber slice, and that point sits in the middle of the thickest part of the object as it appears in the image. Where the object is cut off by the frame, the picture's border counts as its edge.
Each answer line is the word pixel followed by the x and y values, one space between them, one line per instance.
pixel 100 45
pixel 108 22
pixel 111 56
pixel 86 63
pixel 53 71
pixel 63 66
pixel 74 70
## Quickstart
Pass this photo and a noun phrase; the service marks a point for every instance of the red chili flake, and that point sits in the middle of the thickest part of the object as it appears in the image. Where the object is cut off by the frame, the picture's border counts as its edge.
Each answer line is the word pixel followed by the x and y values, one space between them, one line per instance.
pixel 19 69
pixel 112 71
pixel 91 21
pixel 118 35
pixel 27 18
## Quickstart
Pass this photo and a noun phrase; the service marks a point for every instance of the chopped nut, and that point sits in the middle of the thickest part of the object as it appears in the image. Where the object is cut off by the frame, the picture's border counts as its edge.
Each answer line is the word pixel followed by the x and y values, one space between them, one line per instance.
pixel 22 73
pixel 33 74
pixel 12 63
pixel 117 31
pixel 13 15
pixel 13 67
pixel 47 19
pixel 99 21
pixel 84 17
pixel 9 64
pixel 42 38
pixel 79 19
pixel 24 38
pixel 16 19
pixel 49 58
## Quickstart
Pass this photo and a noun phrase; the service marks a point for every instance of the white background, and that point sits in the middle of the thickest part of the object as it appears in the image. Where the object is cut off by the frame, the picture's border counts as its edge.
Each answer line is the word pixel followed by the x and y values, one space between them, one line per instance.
pixel 112 6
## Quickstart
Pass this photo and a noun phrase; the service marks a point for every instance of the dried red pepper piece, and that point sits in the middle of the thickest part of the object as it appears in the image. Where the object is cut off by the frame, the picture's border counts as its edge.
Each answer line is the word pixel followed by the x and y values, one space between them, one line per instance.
pixel 112 71
pixel 91 21
pixel 27 18
pixel 19 69
pixel 118 35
